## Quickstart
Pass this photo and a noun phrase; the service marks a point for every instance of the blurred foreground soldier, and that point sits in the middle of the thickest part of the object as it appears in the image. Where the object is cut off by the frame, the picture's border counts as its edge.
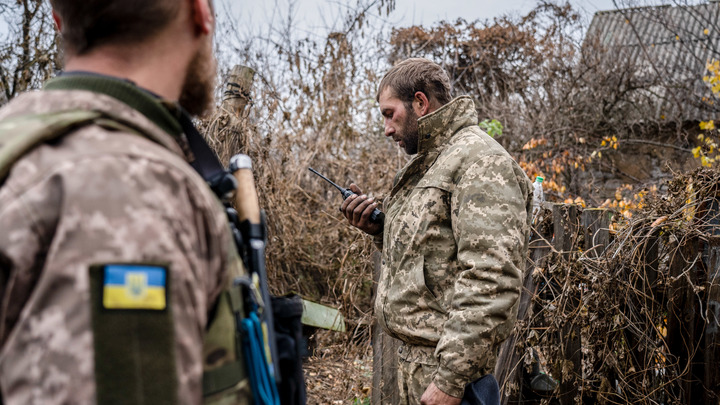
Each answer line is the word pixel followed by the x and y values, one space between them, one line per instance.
pixel 454 238
pixel 115 255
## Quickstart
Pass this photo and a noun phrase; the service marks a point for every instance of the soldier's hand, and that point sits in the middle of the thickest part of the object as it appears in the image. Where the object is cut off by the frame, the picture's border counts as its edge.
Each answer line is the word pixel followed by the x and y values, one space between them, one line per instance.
pixel 433 396
pixel 357 209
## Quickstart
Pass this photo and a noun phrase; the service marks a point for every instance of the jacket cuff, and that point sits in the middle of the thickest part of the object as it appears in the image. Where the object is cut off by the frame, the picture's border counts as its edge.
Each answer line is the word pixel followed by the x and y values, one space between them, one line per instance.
pixel 450 383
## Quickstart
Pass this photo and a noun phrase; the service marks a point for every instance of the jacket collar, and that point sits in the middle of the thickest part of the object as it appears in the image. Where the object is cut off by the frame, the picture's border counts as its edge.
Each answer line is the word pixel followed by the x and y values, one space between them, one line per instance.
pixel 63 98
pixel 437 127
pixel 149 104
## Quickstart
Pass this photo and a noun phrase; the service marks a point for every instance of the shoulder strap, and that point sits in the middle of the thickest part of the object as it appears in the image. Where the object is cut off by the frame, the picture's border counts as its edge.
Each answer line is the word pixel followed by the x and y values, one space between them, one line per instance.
pixel 19 135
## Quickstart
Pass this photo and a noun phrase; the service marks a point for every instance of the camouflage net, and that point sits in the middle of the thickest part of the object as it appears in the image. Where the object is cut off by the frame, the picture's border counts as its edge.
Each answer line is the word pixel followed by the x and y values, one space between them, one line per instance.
pixel 644 309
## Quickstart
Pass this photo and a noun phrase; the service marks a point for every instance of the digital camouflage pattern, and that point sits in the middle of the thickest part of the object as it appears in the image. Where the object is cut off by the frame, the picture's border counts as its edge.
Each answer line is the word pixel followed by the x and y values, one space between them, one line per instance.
pixel 454 242
pixel 97 196
pixel 416 367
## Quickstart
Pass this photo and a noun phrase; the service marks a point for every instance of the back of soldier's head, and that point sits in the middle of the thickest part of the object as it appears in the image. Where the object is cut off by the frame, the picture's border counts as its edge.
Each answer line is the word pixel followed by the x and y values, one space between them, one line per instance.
pixel 88 24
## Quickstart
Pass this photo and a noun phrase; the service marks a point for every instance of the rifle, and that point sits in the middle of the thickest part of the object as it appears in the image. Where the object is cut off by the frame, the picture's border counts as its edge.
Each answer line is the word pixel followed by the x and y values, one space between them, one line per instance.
pixel 249 231
pixel 248 228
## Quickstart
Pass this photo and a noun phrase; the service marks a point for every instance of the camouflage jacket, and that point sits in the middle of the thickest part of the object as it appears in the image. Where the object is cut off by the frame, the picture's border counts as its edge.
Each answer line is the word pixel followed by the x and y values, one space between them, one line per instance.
pixel 453 247
pixel 101 195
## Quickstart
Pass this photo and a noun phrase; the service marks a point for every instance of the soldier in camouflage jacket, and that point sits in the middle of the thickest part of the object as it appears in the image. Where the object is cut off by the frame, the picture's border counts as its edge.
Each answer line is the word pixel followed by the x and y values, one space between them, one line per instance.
pixel 454 238
pixel 114 252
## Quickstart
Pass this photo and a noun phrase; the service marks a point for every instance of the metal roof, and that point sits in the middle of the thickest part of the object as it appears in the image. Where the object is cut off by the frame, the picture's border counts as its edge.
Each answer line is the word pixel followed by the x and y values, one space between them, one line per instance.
pixel 671 42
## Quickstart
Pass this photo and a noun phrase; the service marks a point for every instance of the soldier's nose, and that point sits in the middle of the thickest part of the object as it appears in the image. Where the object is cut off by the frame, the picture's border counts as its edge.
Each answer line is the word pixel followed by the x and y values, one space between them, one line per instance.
pixel 389 131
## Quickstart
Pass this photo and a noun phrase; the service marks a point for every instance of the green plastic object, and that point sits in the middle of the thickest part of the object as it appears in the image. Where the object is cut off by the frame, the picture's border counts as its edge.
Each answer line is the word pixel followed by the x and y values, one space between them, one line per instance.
pixel 321 316
pixel 539 179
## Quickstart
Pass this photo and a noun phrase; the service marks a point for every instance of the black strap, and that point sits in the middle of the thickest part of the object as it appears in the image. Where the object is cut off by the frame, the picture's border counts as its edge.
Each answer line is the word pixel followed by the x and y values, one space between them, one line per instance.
pixel 206 162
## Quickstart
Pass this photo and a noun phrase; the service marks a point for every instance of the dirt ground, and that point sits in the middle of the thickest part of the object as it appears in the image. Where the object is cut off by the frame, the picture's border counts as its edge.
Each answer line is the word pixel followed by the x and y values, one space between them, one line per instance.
pixel 338 372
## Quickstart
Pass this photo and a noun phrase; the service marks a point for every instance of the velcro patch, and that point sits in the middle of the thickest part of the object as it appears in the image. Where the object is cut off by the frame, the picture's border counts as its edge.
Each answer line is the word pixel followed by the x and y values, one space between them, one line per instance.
pixel 133 334
pixel 129 286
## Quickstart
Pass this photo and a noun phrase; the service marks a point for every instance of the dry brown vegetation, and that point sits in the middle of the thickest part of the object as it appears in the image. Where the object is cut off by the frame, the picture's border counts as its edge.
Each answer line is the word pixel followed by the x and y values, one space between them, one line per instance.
pixel 561 102
pixel 29 52
pixel 563 97
pixel 559 99
pixel 643 310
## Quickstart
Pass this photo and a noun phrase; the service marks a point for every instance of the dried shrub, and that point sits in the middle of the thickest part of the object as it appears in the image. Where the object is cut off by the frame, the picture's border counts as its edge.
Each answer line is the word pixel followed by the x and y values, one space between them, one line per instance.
pixel 312 105
pixel 561 95
pixel 643 308
pixel 28 53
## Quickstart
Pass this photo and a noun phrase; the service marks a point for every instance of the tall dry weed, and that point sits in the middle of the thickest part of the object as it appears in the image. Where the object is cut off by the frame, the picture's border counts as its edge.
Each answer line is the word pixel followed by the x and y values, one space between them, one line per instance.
pixel 313 105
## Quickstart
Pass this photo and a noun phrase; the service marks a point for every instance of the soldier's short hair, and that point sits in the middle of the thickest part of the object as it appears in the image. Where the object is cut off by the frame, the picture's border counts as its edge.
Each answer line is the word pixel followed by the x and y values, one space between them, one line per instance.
pixel 417 74
pixel 87 24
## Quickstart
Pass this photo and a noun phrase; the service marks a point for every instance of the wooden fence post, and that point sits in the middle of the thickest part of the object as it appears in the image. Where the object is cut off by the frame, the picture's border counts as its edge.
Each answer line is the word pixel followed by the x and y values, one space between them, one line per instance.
pixel 596 224
pixel 650 299
pixel 385 360
pixel 509 366
pixel 236 96
pixel 682 315
pixel 711 360
pixel 565 241
pixel 227 132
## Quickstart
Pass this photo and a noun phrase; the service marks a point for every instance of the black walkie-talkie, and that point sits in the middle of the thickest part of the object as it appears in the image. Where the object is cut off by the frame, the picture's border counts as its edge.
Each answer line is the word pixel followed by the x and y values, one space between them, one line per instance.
pixel 376 217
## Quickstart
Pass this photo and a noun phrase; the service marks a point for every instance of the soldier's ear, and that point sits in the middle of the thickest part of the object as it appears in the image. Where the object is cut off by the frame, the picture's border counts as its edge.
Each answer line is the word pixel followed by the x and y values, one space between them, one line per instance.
pixel 203 16
pixel 58 21
pixel 421 104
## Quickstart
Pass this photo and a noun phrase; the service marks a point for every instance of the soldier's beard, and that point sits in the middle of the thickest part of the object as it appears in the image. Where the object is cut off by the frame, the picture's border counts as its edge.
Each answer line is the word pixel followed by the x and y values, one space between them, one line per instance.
pixel 198 88
pixel 410 132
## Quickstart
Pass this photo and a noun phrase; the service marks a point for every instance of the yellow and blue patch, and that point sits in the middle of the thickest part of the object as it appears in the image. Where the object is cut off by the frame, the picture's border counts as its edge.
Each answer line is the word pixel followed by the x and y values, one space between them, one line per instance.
pixel 129 286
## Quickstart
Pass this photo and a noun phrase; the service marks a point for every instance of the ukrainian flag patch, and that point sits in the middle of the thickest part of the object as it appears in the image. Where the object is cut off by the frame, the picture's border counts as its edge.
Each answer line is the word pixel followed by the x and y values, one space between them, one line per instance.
pixel 129 286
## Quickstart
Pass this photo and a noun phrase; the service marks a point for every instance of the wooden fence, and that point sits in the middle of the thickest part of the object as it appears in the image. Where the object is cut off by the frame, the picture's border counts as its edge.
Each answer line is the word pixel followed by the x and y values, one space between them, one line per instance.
pixel 688 298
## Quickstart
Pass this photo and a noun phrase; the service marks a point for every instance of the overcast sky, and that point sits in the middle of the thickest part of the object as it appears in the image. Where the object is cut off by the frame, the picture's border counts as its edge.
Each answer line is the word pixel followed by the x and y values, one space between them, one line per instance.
pixel 317 14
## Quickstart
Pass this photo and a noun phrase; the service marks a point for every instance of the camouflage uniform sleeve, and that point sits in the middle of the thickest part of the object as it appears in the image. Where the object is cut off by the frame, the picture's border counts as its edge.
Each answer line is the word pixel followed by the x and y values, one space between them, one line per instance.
pixel 105 209
pixel 489 224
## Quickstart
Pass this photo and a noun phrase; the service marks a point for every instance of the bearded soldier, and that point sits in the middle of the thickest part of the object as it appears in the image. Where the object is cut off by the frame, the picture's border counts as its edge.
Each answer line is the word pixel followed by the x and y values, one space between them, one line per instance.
pixel 115 255
pixel 454 238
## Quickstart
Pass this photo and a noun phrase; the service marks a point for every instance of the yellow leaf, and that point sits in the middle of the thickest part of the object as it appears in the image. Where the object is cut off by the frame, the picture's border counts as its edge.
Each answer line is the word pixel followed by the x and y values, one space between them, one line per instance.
pixel 603 142
pixel 614 138
pixel 615 146
pixel 701 137
pixel 677 37
pixel 662 117
pixel 706 31
pixel 599 154
pixel 707 125
pixel 696 151
pixel 704 161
